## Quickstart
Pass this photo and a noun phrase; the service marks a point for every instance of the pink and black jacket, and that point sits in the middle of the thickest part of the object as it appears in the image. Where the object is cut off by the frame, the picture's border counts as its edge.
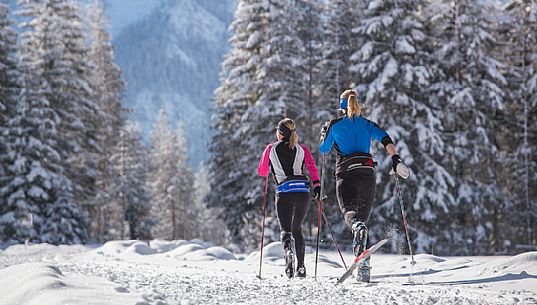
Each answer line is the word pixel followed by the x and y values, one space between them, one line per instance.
pixel 287 167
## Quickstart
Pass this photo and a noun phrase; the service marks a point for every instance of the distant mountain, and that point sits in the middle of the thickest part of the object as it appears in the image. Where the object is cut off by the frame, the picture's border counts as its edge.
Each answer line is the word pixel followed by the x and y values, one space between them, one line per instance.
pixel 170 52
pixel 171 59
pixel 124 12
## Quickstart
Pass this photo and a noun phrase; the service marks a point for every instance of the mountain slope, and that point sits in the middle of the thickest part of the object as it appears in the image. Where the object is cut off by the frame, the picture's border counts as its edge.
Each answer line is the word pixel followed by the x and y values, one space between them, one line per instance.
pixel 171 60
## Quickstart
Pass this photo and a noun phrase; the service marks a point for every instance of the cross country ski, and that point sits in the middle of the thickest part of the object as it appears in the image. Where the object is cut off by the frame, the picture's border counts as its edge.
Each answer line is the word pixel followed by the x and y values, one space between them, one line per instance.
pixel 367 253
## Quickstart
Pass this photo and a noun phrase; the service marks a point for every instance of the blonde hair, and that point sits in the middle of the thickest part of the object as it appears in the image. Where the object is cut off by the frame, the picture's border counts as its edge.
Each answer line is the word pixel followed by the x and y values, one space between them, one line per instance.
pixel 293 139
pixel 353 107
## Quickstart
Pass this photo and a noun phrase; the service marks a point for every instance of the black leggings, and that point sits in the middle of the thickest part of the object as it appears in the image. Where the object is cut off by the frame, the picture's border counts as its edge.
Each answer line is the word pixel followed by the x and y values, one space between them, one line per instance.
pixel 292 209
pixel 355 191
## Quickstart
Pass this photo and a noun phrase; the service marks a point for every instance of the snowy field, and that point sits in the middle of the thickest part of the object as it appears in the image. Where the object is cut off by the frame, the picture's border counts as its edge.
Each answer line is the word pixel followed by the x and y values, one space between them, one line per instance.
pixel 195 272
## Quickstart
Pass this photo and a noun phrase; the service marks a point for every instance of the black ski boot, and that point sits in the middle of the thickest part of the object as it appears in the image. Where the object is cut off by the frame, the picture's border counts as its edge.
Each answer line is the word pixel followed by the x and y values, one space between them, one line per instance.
pixel 289 256
pixel 360 238
pixel 301 272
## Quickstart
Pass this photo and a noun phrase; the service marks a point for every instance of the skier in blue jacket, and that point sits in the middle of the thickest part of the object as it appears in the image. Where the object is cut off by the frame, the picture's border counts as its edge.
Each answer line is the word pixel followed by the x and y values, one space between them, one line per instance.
pixel 351 136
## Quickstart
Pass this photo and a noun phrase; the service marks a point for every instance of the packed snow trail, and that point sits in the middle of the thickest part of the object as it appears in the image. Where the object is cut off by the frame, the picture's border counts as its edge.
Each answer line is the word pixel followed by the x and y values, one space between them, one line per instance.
pixel 182 272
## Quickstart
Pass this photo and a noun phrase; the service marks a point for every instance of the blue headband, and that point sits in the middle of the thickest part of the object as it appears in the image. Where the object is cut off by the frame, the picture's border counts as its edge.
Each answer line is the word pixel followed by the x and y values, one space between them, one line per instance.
pixel 343 103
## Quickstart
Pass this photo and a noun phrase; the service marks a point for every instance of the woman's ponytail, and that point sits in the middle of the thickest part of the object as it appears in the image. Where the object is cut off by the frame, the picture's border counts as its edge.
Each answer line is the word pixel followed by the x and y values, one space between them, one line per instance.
pixel 293 139
pixel 353 107
pixel 287 131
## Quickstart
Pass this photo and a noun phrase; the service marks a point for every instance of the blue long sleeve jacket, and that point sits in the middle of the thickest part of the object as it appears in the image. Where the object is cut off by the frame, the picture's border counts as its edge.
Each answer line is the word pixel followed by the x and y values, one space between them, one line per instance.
pixel 353 135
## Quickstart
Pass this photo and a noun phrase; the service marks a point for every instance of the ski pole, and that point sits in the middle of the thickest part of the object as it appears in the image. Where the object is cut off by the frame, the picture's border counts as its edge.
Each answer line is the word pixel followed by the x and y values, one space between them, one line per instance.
pixel 263 226
pixel 405 223
pixel 332 234
pixel 320 203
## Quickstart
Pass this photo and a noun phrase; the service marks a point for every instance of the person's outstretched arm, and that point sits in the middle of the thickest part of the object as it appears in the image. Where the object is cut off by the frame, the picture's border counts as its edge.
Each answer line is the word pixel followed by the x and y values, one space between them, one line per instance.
pixel 382 136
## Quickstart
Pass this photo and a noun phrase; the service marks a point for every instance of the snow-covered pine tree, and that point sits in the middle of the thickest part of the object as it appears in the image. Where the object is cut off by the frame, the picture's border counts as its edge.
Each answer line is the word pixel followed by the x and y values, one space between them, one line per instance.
pixel 313 110
pixel 280 86
pixel 207 226
pixel 108 89
pixel 393 71
pixel 232 171
pixel 183 186
pixel 308 31
pixel 38 194
pixel 471 92
pixel 337 44
pixel 162 179
pixel 520 52
pixel 8 86
pixel 68 74
pixel 130 163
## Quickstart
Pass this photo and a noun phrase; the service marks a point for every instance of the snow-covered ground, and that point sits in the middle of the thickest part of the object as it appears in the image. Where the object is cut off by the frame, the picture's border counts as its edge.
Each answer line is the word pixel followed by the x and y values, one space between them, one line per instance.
pixel 196 272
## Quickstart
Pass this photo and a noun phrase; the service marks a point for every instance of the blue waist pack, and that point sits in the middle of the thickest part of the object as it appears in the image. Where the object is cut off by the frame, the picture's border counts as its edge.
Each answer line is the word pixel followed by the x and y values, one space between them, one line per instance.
pixel 293 186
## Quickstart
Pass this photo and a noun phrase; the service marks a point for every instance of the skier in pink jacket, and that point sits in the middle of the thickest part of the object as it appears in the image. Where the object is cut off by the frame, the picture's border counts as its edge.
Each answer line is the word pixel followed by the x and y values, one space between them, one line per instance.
pixel 286 159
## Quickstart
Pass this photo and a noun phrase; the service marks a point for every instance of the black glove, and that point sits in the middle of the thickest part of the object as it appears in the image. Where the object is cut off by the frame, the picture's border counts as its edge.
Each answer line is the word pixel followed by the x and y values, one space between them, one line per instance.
pixel 324 129
pixel 317 192
pixel 396 159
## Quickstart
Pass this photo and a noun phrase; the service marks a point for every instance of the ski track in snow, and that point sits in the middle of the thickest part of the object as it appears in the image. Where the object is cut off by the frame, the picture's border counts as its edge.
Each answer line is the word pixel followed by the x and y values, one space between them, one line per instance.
pixel 182 272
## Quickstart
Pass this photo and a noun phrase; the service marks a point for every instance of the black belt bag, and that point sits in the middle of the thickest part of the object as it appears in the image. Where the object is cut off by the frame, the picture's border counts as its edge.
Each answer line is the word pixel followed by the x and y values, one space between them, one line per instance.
pixel 354 162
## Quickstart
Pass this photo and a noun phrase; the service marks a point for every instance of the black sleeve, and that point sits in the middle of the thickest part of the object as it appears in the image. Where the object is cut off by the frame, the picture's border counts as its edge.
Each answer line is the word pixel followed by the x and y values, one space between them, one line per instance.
pixel 386 141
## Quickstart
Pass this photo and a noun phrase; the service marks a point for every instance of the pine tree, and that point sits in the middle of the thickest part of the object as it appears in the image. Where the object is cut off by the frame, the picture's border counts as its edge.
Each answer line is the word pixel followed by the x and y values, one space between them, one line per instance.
pixel 8 87
pixel 521 178
pixel 183 188
pixel 338 42
pixel 67 71
pixel 232 161
pixel 393 70
pixel 130 163
pixel 171 182
pixel 471 92
pixel 207 226
pixel 312 110
pixel 38 194
pixel 108 89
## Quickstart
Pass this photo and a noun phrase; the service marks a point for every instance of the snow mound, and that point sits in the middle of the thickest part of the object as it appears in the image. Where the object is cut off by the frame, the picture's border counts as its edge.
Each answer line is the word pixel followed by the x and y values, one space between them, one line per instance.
pixel 428 258
pixel 21 248
pixel 197 252
pixel 42 283
pixel 519 264
pixel 220 253
pixel 528 258
pixel 26 283
pixel 204 244
pixel 185 249
pixel 162 246
pixel 453 264
pixel 198 255
pixel 271 252
pixel 274 249
pixel 115 247
pixel 140 248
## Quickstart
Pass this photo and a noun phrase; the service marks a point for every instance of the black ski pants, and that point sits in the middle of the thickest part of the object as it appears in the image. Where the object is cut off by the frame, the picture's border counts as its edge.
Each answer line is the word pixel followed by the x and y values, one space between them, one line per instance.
pixel 292 209
pixel 355 191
